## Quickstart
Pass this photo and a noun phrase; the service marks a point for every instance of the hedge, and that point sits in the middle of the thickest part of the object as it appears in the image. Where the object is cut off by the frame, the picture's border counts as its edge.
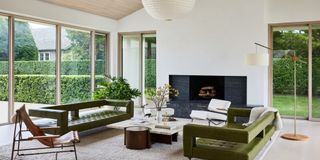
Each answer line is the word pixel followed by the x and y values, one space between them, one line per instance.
pixel 48 67
pixel 150 73
pixel 283 72
pixel 35 80
pixel 41 88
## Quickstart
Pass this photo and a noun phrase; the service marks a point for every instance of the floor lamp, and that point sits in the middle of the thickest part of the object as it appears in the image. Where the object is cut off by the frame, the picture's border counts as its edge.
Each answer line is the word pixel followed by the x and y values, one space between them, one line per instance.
pixel 294 136
pixel 263 59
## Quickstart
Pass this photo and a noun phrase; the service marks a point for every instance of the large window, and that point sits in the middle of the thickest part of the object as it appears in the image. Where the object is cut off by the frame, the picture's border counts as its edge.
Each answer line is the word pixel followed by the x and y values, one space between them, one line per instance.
pixel 43 72
pixel 302 41
pixel 4 69
pixel 34 78
pixel 76 70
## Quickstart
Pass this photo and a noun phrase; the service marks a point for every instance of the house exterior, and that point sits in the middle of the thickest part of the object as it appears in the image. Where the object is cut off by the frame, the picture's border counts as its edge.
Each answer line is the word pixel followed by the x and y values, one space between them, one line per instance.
pixel 46 43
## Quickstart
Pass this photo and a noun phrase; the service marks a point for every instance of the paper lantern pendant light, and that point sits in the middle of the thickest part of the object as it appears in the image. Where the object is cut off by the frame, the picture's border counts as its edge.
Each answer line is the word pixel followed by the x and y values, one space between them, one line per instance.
pixel 168 9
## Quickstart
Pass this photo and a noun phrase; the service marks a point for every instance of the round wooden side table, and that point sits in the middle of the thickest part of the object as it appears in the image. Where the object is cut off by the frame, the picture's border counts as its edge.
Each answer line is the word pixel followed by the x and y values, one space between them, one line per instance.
pixel 137 137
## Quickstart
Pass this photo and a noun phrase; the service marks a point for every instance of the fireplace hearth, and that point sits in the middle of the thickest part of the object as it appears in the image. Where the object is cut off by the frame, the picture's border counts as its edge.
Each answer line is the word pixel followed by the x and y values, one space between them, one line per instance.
pixel 196 91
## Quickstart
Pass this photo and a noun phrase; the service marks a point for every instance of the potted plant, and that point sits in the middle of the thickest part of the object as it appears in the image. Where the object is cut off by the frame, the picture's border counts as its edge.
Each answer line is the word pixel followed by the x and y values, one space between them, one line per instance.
pixel 115 88
pixel 160 97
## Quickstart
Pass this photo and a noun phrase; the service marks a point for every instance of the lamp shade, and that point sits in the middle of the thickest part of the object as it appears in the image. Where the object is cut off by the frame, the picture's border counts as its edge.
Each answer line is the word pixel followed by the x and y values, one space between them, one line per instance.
pixel 258 59
pixel 167 9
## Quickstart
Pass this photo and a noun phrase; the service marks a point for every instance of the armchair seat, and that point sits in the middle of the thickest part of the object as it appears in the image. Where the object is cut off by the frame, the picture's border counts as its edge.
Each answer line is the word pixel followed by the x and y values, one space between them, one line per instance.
pixel 207 115
pixel 217 111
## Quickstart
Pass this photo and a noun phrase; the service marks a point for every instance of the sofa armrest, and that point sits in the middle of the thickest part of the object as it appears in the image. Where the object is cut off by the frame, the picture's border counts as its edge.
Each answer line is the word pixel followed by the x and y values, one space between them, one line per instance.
pixel 122 103
pixel 60 115
pixel 192 131
pixel 259 126
pixel 237 112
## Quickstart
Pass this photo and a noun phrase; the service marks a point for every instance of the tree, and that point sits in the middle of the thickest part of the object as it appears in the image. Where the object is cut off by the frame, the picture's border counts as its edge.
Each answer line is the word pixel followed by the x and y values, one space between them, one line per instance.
pixel 25 48
pixel 80 44
pixel 3 39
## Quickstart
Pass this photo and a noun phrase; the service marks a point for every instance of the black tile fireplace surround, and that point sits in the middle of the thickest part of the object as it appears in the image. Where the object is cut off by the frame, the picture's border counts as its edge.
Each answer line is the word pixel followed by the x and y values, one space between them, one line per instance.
pixel 231 88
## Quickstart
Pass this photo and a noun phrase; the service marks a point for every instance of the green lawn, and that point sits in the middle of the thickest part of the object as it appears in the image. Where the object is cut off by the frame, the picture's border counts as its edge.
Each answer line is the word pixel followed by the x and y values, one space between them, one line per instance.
pixel 285 104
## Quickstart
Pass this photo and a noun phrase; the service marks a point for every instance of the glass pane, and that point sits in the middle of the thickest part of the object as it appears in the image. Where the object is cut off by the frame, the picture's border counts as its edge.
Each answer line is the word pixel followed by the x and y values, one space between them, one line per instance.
pixel 4 69
pixel 288 42
pixel 75 65
pixel 316 72
pixel 150 63
pixel 132 61
pixel 34 78
pixel 101 51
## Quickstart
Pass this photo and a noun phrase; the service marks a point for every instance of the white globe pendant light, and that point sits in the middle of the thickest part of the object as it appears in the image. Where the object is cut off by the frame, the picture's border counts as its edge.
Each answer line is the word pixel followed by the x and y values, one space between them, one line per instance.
pixel 168 9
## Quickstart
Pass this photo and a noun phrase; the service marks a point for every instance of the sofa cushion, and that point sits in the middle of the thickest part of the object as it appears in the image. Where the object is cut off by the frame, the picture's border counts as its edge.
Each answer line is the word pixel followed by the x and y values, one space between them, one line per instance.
pixel 95 116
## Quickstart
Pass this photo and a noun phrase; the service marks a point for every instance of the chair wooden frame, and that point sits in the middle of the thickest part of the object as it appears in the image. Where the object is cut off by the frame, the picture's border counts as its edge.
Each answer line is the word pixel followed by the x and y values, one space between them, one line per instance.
pixel 48 140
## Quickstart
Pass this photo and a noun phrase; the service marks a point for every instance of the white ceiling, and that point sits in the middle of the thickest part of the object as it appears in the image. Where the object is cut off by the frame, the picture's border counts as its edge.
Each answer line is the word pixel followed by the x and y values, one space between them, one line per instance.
pixel 114 9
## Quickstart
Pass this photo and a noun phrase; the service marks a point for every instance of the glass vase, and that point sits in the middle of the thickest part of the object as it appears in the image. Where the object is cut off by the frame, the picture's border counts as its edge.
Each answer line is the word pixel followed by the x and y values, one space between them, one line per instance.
pixel 159 116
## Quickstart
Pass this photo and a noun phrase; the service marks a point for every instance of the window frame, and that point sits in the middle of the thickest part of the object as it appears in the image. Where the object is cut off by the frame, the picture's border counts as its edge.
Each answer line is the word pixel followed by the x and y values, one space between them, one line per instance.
pixel 58 25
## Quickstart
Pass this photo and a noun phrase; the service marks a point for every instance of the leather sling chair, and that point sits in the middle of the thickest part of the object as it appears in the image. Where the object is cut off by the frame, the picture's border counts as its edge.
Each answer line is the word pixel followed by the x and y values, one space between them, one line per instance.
pixel 64 143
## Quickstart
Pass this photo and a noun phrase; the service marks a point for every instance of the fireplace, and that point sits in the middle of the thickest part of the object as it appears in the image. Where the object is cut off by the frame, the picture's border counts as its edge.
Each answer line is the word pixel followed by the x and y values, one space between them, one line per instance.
pixel 196 91
pixel 204 88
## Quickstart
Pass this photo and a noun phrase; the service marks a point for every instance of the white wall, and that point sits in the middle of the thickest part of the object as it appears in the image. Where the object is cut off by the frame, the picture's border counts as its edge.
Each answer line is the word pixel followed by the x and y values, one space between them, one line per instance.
pixel 280 11
pixel 213 40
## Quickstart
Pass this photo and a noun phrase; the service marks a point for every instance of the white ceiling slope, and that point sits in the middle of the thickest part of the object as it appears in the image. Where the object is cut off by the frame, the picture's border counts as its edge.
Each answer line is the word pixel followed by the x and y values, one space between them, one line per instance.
pixel 114 9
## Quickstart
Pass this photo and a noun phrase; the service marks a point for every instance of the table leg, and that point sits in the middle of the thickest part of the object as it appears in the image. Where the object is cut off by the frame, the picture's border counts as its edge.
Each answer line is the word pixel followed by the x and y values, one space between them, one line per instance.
pixel 175 137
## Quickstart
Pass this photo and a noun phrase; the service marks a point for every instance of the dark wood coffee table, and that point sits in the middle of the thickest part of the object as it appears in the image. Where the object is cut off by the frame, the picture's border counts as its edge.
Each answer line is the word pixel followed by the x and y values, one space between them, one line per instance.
pixel 137 137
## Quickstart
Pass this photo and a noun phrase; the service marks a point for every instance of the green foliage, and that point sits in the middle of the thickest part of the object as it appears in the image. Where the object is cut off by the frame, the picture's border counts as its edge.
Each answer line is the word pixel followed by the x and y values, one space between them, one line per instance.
pixel 116 88
pixel 283 72
pixel 35 88
pixel 3 88
pixel 4 39
pixel 150 73
pixel 292 40
pixel 75 88
pixel 80 45
pixel 25 46
pixel 149 92
pixel 41 88
pixel 48 67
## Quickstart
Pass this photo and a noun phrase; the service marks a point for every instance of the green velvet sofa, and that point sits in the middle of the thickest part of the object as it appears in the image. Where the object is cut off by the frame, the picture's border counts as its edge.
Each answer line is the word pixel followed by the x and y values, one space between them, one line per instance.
pixel 230 142
pixel 82 116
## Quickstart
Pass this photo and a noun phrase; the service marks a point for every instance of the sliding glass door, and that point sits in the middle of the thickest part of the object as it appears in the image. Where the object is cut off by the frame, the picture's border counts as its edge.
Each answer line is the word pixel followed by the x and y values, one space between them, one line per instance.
pixel 4 69
pixel 316 71
pixel 300 43
pixel 138 62
pixel 287 43
pixel 149 65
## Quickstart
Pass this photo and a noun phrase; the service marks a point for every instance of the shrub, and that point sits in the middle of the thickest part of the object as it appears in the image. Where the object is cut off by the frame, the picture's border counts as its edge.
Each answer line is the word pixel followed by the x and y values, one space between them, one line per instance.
pixel 283 72
pixel 116 88
pixel 41 88
pixel 48 67
pixel 150 73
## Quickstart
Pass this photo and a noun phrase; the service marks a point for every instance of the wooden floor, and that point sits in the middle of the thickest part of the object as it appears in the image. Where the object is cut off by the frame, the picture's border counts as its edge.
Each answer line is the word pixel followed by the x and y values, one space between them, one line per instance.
pixel 281 149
